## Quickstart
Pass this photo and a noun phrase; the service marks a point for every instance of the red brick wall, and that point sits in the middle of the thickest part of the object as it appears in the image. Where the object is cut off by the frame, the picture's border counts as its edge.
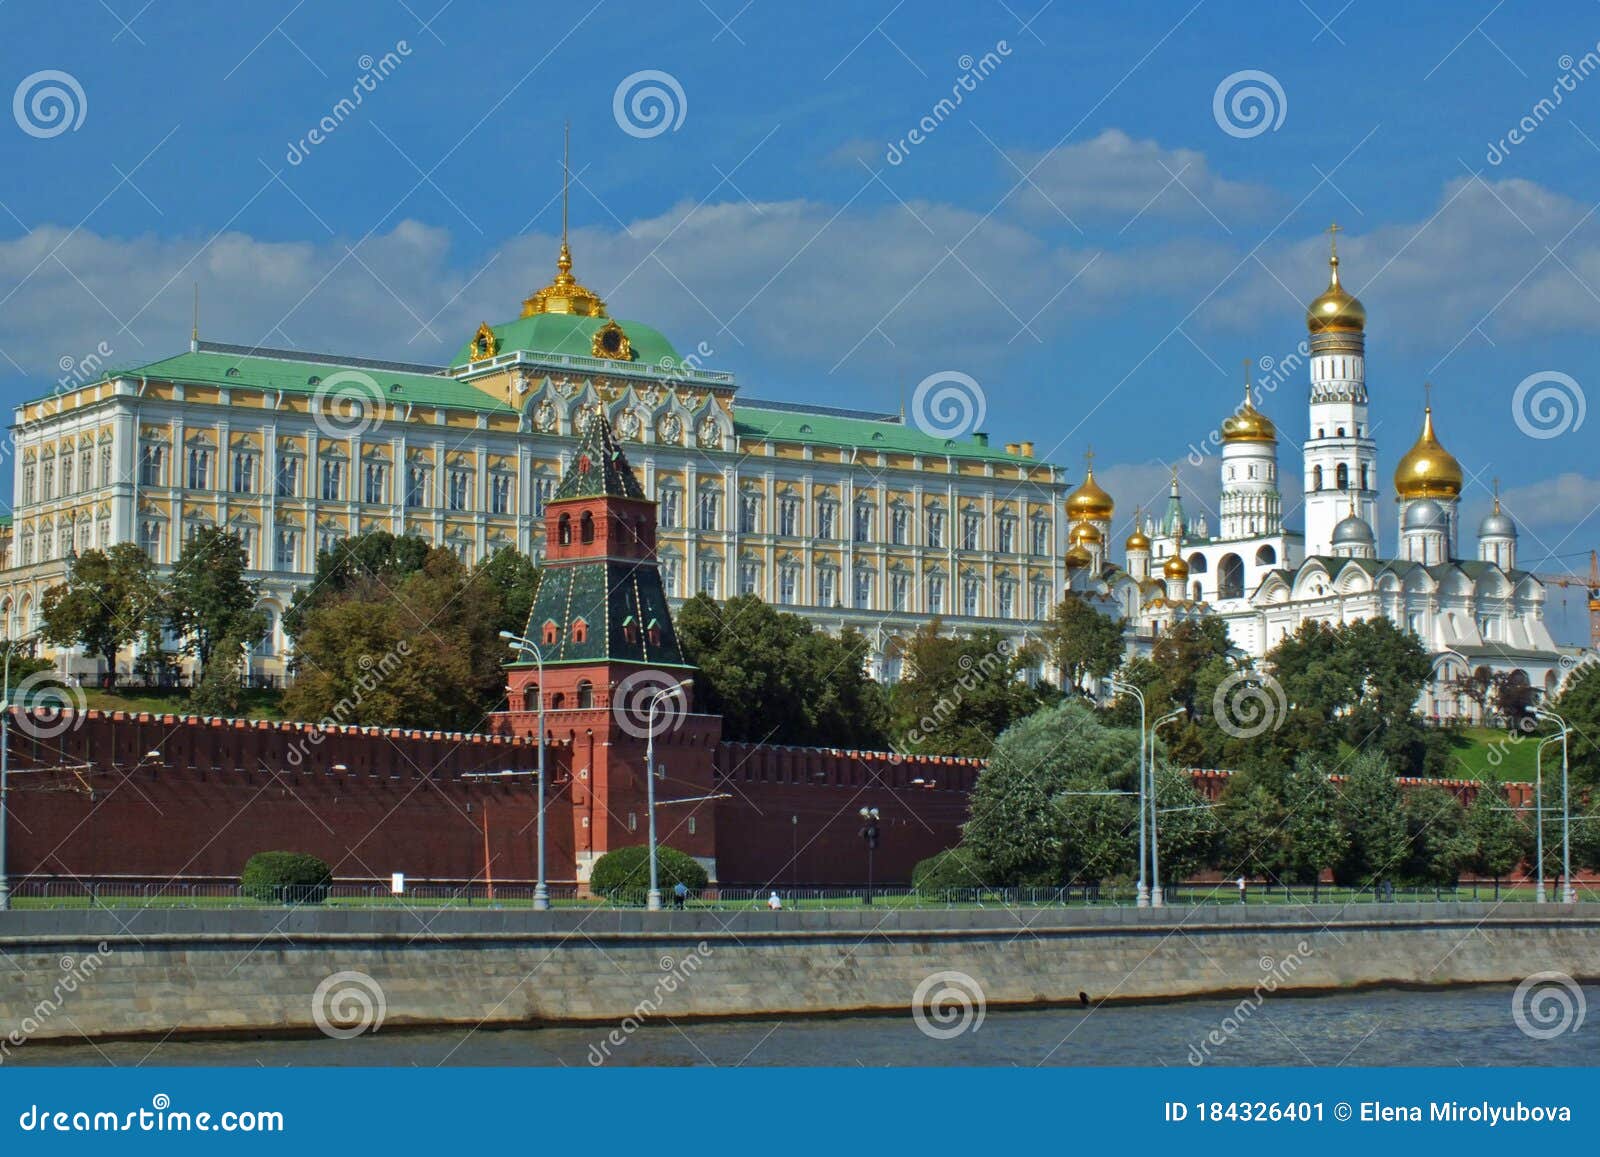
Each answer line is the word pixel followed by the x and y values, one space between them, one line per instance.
pixel 222 790
pixel 793 816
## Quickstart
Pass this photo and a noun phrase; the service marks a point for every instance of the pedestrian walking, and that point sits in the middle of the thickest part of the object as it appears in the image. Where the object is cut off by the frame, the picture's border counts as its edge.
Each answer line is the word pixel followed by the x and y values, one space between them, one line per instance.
pixel 1241 889
pixel 680 893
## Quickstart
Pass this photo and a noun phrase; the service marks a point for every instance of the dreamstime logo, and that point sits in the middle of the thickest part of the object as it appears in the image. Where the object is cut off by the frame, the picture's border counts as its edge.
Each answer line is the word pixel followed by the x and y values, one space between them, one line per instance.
pixel 632 700
pixel 947 1004
pixel 675 974
pixel 1548 404
pixel 46 707
pixel 48 103
pixel 348 404
pixel 1548 1004
pixel 1249 102
pixel 1248 703
pixel 1275 973
pixel 973 73
pixel 648 103
pixel 348 1004
pixel 948 404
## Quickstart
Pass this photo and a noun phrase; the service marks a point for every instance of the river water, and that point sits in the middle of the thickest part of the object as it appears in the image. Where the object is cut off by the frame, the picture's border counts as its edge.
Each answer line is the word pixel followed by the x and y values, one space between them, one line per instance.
pixel 1469 1026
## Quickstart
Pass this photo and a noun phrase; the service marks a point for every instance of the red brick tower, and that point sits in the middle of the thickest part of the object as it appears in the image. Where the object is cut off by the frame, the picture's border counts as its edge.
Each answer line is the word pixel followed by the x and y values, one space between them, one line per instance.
pixel 605 632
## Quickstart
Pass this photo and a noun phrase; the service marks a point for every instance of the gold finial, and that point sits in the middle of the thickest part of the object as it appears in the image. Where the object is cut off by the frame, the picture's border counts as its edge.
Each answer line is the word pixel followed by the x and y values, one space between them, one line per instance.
pixel 1088 459
pixel 1497 496
pixel 564 294
pixel 194 334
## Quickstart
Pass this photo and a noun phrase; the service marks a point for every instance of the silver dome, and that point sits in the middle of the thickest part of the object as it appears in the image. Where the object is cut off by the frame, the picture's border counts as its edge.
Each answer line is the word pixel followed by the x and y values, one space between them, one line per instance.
pixel 1497 525
pixel 1425 514
pixel 1353 531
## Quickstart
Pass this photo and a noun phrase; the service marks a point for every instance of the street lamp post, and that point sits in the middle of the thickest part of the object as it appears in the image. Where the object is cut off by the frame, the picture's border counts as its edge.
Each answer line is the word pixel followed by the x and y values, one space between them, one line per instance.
pixel 541 890
pixel 1121 688
pixel 1569 894
pixel 869 832
pixel 1538 811
pixel 653 898
pixel 1157 899
pixel 5 784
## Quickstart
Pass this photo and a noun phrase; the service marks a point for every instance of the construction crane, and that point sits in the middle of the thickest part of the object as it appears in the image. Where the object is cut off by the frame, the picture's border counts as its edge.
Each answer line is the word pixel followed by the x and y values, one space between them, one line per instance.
pixel 1589 583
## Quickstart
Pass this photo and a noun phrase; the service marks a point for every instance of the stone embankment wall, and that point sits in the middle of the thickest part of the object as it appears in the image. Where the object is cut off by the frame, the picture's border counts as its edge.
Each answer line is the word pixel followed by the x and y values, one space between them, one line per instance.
pixel 156 972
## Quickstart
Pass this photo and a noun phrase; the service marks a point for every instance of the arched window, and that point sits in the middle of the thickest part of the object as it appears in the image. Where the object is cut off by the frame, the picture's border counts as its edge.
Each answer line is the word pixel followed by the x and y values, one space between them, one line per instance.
pixel 1198 564
pixel 580 631
pixel 530 697
pixel 564 530
pixel 1341 477
pixel 1230 577
pixel 1366 478
pixel 1316 478
pixel 586 527
pixel 558 701
pixel 585 693
pixel 550 632
pixel 1266 556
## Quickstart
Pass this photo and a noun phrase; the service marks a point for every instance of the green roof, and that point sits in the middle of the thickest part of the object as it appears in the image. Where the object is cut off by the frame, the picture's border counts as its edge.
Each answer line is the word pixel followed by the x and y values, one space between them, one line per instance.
pixel 754 420
pixel 573 336
pixel 305 376
pixel 600 468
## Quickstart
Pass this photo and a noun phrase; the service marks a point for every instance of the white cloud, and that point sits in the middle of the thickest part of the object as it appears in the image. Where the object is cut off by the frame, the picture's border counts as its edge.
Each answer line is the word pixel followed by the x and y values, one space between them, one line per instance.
pixel 1115 176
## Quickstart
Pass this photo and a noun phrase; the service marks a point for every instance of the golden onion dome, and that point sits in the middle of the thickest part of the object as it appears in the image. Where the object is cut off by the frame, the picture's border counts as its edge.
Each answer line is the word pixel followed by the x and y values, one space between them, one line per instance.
pixel 1078 558
pixel 1335 310
pixel 1248 424
pixel 1089 502
pixel 1428 470
pixel 1175 568
pixel 1138 540
pixel 1085 534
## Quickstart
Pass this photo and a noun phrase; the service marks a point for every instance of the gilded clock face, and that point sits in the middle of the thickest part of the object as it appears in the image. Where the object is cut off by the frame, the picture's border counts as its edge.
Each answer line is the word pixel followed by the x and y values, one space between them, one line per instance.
pixel 544 417
pixel 629 424
pixel 670 429
pixel 709 434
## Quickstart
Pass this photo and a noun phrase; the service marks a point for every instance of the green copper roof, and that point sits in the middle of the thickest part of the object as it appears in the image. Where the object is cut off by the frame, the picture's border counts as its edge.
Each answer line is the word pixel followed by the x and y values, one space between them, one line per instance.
pixel 753 420
pixel 570 334
pixel 621 604
pixel 599 467
pixel 304 377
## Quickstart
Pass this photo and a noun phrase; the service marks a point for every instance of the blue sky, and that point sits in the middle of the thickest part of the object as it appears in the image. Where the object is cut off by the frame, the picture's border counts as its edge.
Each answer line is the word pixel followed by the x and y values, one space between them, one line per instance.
pixel 1081 235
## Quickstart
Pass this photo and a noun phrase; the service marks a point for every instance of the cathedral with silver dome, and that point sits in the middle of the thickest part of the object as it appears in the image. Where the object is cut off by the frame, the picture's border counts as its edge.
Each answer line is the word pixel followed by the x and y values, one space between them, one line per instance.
pixel 1475 611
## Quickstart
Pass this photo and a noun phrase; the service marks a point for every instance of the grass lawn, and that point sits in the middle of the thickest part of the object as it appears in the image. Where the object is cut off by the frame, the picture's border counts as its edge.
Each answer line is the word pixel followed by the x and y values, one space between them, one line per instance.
pixel 259 703
pixel 1495 754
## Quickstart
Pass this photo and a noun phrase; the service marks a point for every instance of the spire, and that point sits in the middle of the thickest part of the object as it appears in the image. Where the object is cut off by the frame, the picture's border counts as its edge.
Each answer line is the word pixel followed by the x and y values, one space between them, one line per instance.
pixel 564 294
pixel 599 467
pixel 1497 496
pixel 1333 253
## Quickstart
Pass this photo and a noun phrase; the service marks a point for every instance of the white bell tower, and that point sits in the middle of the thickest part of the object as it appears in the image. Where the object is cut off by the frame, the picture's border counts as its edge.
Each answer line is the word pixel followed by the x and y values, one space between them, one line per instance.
pixel 1341 457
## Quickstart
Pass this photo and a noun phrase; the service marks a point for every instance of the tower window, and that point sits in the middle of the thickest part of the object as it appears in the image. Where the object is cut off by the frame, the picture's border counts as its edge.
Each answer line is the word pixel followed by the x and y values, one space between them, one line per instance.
pixel 549 633
pixel 586 527
pixel 564 530
pixel 1342 477
pixel 580 631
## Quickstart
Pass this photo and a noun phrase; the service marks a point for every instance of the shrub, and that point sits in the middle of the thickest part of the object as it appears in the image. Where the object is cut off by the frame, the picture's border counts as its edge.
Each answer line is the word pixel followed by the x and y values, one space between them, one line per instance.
pixel 957 867
pixel 286 878
pixel 624 875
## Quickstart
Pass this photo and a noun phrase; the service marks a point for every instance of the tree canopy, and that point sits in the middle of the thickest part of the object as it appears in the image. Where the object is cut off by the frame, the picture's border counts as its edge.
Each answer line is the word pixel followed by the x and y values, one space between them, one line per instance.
pixel 111 599
pixel 1084 643
pixel 959 691
pixel 774 678
pixel 208 599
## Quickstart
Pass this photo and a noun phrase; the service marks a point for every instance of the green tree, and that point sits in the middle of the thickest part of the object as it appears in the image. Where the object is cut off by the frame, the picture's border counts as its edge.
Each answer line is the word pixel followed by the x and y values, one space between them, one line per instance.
pixel 1084 643
pixel 1188 828
pixel 515 581
pixel 959 691
pixel 1251 817
pixel 1314 836
pixel 377 558
pixel 774 678
pixel 111 600
pixel 423 653
pixel 220 690
pixel 1370 804
pixel 208 598
pixel 1579 705
pixel 1500 840
pixel 624 873
pixel 1438 844
pixel 1029 822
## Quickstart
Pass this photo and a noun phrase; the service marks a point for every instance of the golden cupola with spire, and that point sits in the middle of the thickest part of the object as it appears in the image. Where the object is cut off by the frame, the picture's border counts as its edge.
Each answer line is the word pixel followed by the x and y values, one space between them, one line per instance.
pixel 1248 424
pixel 1335 309
pixel 564 294
pixel 1428 470
pixel 1089 502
